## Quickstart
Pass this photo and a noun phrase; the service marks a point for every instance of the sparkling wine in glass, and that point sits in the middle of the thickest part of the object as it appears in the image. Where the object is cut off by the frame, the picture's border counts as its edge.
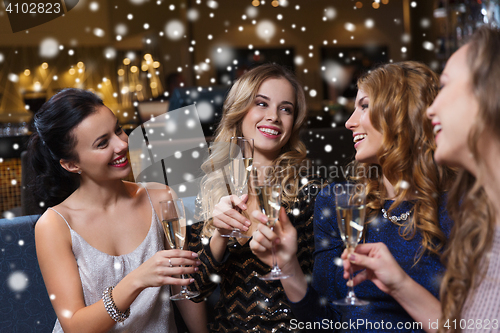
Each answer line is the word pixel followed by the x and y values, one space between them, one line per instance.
pixel 266 187
pixel 350 199
pixel 173 220
pixel 240 166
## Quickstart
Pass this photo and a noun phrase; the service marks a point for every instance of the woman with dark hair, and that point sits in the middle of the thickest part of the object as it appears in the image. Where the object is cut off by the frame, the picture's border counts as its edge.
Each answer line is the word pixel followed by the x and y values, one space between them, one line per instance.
pixel 405 204
pixel 466 119
pixel 266 104
pixel 100 244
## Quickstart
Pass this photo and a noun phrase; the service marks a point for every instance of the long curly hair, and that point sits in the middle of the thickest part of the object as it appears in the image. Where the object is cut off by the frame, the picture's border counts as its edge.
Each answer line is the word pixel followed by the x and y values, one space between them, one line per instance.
pixel 292 158
pixel 400 94
pixel 469 206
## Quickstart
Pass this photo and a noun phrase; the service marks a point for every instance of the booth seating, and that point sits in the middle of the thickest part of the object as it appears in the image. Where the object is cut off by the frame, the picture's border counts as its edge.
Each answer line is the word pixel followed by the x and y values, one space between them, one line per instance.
pixel 24 303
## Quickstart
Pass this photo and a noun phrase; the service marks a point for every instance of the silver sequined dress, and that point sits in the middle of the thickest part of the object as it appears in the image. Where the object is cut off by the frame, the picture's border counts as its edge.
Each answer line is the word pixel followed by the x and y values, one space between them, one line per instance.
pixel 151 311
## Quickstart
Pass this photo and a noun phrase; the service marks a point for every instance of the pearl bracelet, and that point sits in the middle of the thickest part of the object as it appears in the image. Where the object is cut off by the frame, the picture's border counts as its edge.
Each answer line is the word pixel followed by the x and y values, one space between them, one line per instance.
pixel 109 304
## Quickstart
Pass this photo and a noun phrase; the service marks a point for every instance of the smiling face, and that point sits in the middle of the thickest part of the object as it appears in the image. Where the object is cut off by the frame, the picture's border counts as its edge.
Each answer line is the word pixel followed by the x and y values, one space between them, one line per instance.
pixel 269 121
pixel 101 147
pixel 453 113
pixel 367 140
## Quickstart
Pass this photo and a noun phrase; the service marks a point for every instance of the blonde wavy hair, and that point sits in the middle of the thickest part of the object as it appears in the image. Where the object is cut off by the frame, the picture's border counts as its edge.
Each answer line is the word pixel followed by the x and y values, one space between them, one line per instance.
pixel 469 206
pixel 399 95
pixel 240 99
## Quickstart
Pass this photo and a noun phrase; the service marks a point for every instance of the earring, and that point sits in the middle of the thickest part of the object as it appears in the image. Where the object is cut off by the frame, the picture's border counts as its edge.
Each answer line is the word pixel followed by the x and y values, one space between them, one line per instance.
pixel 79 172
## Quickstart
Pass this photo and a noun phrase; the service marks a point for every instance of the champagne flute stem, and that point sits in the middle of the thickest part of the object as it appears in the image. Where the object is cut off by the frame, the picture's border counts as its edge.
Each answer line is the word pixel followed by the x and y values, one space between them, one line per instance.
pixel 273 255
pixel 183 288
pixel 350 290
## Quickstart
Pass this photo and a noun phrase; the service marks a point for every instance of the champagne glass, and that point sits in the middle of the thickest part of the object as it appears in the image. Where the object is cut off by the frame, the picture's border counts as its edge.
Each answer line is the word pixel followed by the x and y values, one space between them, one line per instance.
pixel 350 201
pixel 240 165
pixel 173 220
pixel 266 186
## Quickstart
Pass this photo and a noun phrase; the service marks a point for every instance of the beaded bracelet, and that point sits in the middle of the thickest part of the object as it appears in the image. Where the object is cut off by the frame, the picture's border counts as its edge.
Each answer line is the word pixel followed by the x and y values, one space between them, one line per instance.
pixel 111 308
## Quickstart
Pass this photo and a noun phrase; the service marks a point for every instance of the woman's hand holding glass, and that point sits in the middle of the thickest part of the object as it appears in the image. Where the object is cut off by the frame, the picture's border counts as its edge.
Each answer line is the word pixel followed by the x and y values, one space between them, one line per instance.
pixel 375 263
pixel 227 214
pixel 162 268
pixel 240 163
pixel 283 235
pixel 173 220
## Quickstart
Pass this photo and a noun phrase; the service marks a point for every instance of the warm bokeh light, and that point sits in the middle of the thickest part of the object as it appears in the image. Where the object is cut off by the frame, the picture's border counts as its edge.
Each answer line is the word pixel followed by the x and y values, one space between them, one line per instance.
pixel 144 68
pixel 148 57
pixel 121 72
pixel 72 71
pixel 126 61
pixel 156 64
pixel 275 3
pixel 153 85
pixel 80 64
pixel 138 87
pixel 359 4
pixel 375 5
pixel 385 2
pixel 255 3
pixel 45 65
pixel 27 72
pixel 134 69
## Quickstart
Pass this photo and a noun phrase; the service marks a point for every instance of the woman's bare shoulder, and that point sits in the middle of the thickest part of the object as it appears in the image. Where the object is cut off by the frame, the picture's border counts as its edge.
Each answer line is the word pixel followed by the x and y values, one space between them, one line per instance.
pixel 52 226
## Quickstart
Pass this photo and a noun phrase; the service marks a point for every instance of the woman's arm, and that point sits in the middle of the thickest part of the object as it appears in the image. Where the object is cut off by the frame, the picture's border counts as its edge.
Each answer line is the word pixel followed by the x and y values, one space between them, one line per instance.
pixel 381 268
pixel 62 279
pixel 194 315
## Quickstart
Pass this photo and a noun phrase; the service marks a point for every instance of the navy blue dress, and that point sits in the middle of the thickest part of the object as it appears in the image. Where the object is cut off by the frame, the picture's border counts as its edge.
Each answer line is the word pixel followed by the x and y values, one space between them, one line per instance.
pixel 383 314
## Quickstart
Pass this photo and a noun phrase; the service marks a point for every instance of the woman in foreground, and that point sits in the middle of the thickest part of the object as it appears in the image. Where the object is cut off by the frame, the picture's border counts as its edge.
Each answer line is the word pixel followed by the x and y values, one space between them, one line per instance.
pixel 100 245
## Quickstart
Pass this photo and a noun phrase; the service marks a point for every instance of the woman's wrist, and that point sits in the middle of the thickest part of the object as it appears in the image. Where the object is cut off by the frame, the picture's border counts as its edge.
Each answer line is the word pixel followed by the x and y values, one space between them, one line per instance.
pixel 292 266
pixel 399 288
pixel 295 286
pixel 218 245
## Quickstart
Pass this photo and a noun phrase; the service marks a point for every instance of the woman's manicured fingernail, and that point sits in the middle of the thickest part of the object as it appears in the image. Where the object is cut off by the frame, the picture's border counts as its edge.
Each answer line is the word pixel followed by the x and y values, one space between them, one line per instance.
pixel 195 254
pixel 352 258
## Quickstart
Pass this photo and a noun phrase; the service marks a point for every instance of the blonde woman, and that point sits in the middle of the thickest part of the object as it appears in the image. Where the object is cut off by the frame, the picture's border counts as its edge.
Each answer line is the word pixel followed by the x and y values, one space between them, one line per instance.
pixel 406 204
pixel 266 104
pixel 466 119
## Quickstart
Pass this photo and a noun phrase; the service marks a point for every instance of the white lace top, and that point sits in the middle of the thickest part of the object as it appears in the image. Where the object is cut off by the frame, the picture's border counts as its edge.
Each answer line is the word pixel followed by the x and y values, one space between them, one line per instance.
pixel 481 311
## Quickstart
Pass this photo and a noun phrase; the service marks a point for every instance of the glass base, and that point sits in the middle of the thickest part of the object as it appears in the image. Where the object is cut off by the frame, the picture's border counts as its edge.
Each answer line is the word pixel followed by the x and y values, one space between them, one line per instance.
pixel 184 294
pixel 236 234
pixel 275 275
pixel 351 300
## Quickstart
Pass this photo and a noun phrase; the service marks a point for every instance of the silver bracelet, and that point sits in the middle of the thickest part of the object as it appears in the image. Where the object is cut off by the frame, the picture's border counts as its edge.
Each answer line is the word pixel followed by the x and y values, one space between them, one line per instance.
pixel 109 304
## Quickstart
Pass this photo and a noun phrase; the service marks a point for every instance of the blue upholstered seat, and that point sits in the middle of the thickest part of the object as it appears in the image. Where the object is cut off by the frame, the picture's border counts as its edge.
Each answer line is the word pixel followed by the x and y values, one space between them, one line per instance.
pixel 24 303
